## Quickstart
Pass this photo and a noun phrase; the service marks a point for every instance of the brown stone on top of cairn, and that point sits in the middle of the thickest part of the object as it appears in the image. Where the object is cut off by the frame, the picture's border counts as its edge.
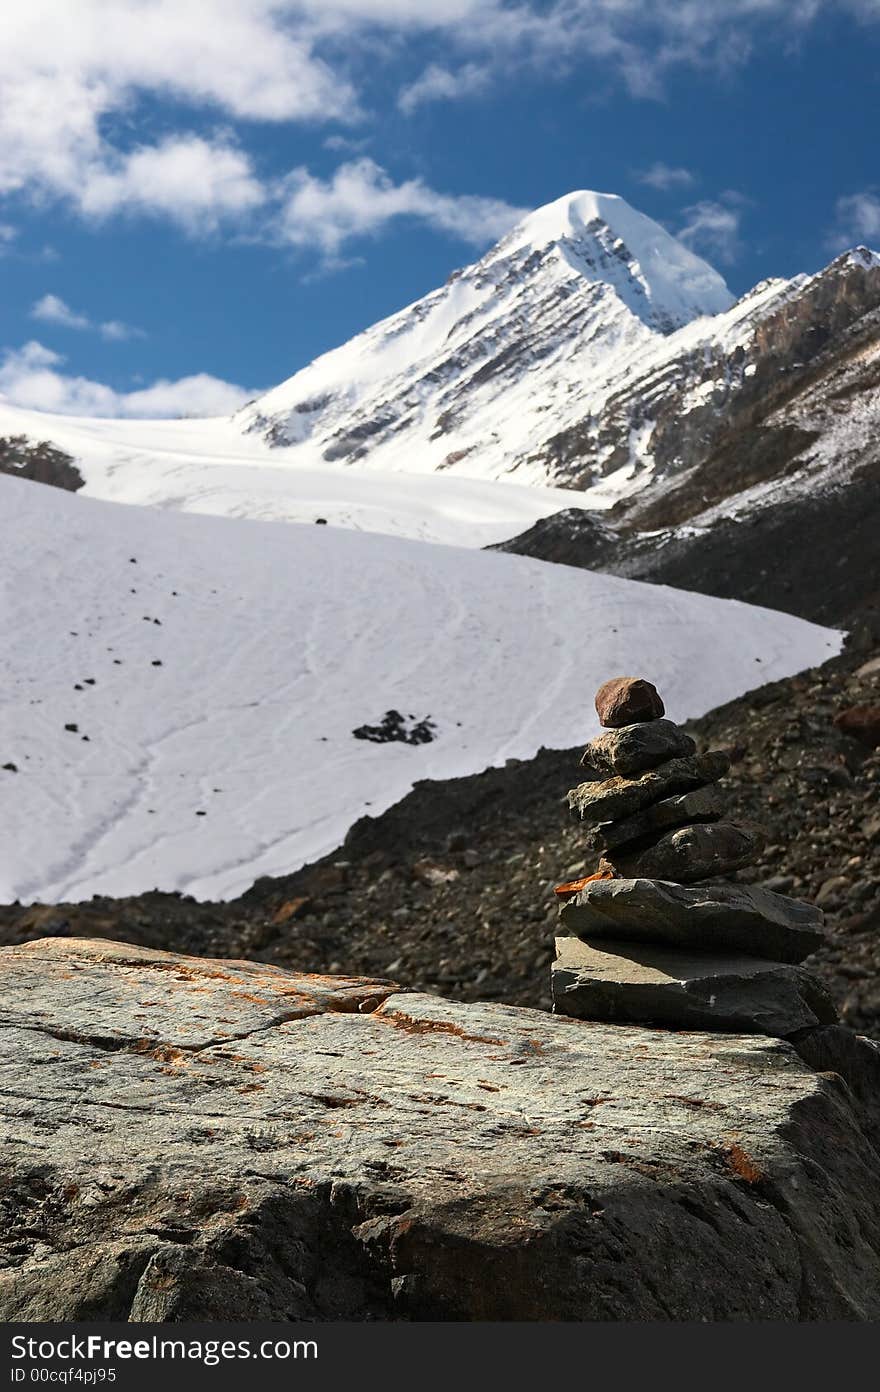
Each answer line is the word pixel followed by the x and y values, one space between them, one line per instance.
pixel 628 701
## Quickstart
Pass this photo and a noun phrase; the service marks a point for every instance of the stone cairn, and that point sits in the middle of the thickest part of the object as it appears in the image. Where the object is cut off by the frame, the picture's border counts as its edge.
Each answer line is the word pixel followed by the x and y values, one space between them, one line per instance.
pixel 656 936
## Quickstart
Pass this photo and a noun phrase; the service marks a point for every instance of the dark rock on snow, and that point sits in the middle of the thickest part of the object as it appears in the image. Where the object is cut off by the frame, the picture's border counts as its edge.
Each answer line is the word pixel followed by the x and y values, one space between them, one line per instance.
pixel 397 728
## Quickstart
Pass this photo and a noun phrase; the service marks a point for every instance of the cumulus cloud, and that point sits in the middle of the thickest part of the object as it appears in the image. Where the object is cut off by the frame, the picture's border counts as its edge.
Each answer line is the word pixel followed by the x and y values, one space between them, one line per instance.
pixel 66 71
pixel 437 83
pixel 360 199
pixel 712 227
pixel 665 177
pixel 51 309
pixel 32 376
pixel 192 181
pixel 73 77
pixel 639 41
pixel 857 221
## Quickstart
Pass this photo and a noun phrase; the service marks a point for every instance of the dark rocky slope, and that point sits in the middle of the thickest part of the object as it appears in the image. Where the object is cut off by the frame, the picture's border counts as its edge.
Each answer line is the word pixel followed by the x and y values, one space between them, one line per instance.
pixel 765 481
pixel 452 889
pixel 40 461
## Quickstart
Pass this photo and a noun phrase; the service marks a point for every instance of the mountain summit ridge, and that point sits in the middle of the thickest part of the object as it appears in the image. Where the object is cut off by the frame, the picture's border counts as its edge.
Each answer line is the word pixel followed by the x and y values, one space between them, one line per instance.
pixel 591 350
pixel 676 285
pixel 469 376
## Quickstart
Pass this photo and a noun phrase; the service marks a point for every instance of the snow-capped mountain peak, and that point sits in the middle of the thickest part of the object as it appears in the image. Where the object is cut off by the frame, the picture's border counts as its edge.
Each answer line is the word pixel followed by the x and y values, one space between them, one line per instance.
pixel 657 276
pixel 468 377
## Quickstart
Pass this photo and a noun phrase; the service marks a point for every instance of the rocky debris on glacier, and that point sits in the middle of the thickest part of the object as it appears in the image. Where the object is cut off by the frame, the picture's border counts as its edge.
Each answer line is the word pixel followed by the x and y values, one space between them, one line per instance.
pixel 644 949
pixel 187 1139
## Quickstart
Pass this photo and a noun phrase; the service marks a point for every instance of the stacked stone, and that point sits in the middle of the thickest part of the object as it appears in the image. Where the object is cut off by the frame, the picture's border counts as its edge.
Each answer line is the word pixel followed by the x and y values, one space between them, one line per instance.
pixel 657 936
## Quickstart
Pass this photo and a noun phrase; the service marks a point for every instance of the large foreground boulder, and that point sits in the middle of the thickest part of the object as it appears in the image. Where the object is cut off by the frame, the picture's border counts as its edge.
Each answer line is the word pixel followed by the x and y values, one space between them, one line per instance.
pixel 188 1139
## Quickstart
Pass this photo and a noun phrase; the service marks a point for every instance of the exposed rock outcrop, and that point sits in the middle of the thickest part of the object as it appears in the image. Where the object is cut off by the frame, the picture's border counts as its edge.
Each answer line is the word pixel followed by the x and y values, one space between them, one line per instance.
pixel 40 461
pixel 759 470
pixel 196 1139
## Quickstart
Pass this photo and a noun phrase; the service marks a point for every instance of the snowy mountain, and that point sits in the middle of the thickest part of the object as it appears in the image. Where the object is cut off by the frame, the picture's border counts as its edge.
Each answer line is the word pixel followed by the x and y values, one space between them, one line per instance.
pixel 758 469
pixel 589 363
pixel 181 694
pixel 476 376
pixel 590 350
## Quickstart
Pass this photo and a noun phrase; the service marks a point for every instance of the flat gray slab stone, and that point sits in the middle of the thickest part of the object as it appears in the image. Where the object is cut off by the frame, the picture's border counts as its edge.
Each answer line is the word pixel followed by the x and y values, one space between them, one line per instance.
pixel 690 853
pixel 702 805
pixel 637 983
pixel 385 1156
pixel 707 917
pixel 634 748
pixel 613 798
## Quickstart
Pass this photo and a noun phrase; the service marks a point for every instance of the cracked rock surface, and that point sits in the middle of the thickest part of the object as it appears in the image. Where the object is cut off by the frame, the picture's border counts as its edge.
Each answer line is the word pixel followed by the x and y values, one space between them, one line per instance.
pixel 190 1139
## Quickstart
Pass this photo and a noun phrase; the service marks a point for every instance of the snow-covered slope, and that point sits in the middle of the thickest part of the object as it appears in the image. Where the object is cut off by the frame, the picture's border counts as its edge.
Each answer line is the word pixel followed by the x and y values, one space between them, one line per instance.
pixel 474 377
pixel 180 692
pixel 209 466
pixel 589 360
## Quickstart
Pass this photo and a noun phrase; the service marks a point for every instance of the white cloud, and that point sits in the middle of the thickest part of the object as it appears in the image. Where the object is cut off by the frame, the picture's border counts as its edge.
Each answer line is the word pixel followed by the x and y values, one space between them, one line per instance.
pixel 437 83
pixel 51 309
pixel 713 227
pixel 191 181
pixel 30 376
pixel 858 221
pixel 361 199
pixel 252 59
pixel 74 78
pixel 639 41
pixel 68 73
pixel 346 144
pixel 115 331
pixel 664 176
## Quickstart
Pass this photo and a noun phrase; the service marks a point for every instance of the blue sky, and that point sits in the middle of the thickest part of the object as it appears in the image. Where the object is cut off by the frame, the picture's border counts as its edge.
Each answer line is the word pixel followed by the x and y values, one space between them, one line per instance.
pixel 198 196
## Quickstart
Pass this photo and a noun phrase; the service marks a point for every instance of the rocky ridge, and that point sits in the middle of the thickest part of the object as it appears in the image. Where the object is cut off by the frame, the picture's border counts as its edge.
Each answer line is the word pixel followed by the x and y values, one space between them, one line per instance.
pixel 477 375
pixel 760 475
